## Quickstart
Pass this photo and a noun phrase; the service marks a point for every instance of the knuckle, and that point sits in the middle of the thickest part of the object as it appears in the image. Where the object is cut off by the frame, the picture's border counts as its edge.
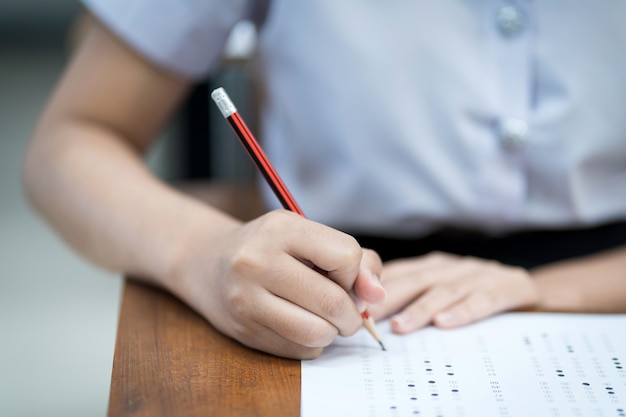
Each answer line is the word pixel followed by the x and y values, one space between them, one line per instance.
pixel 483 302
pixel 352 327
pixel 238 302
pixel 471 310
pixel 467 310
pixel 472 260
pixel 421 309
pixel 242 333
pixel 520 272
pixel 274 222
pixel 440 256
pixel 332 305
pixel 493 265
pixel 245 260
pixel 308 353
pixel 372 256
pixel 463 314
pixel 350 249
pixel 318 336
pixel 447 291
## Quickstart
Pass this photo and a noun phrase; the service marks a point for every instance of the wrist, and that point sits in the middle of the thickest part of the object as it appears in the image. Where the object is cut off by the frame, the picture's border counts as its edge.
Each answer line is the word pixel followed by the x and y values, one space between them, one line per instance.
pixel 556 292
pixel 197 237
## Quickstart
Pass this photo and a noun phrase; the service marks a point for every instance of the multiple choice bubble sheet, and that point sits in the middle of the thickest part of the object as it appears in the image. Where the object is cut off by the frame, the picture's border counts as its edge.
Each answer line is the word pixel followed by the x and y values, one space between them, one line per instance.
pixel 515 364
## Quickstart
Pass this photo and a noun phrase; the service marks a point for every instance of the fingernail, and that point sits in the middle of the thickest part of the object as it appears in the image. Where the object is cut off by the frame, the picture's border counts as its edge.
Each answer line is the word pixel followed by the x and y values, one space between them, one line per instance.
pixel 401 321
pixel 376 282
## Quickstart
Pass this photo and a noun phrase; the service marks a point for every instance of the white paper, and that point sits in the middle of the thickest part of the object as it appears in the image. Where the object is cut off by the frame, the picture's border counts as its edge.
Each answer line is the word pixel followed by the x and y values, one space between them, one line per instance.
pixel 516 364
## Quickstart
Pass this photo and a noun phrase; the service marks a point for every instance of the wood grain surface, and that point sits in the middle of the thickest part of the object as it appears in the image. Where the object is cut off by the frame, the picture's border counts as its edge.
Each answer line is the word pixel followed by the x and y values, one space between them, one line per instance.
pixel 169 361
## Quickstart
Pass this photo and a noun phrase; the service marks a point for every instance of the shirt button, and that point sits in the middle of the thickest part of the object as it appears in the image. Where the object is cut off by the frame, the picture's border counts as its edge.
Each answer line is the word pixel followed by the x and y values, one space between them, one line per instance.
pixel 510 20
pixel 513 133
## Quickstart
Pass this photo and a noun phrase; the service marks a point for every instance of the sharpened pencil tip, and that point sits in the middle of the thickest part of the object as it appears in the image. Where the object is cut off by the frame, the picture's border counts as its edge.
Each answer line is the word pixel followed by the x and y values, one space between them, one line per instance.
pixel 381 345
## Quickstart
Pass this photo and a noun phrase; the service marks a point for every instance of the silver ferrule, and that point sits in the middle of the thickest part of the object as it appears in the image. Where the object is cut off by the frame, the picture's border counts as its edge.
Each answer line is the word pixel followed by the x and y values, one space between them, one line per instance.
pixel 223 102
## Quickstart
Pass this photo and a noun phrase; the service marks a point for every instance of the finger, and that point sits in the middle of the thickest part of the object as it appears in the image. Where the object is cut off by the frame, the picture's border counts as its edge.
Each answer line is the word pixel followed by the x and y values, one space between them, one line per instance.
pixel 515 290
pixel 267 323
pixel 295 324
pixel 312 291
pixel 264 338
pixel 332 251
pixel 264 321
pixel 400 268
pixel 422 311
pixel 399 294
pixel 371 261
pixel 367 286
pixel 475 307
pixel 409 282
pixel 446 282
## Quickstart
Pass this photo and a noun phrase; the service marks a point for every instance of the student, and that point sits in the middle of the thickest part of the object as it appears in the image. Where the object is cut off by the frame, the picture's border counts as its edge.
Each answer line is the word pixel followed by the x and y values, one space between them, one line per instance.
pixel 493 129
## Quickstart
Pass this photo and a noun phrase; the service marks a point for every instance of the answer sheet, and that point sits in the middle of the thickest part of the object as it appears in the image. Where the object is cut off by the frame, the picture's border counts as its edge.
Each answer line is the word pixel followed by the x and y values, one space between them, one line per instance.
pixel 515 364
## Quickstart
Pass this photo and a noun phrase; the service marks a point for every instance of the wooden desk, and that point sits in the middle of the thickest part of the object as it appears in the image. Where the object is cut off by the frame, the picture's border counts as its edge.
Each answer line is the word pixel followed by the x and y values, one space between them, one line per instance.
pixel 170 362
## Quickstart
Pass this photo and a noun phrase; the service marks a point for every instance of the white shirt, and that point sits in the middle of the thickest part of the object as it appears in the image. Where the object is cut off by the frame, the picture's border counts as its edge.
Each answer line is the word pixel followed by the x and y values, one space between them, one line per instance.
pixel 399 117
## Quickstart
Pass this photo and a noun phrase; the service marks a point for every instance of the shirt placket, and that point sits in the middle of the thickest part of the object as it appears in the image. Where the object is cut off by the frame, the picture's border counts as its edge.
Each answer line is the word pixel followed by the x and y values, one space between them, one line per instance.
pixel 511 34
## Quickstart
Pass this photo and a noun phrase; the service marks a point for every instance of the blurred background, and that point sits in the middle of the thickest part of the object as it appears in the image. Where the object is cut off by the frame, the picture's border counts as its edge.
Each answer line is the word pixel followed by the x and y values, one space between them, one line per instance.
pixel 58 314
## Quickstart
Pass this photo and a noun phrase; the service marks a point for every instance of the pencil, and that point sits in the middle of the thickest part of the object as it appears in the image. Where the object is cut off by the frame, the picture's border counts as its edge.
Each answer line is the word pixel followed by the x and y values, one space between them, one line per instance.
pixel 249 142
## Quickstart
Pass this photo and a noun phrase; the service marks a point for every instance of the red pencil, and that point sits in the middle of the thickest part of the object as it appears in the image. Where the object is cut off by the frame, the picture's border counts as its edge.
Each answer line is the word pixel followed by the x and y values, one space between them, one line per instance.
pixel 247 139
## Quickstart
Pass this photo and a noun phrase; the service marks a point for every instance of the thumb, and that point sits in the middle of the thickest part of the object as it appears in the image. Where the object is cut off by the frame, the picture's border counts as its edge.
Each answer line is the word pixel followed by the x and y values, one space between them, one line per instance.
pixel 367 287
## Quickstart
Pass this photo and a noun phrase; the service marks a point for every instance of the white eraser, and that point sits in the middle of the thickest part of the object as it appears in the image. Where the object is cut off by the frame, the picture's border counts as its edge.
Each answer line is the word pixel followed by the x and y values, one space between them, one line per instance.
pixel 223 102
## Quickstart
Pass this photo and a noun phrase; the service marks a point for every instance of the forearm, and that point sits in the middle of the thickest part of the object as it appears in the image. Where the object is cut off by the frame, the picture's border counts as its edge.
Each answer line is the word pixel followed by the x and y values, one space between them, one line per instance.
pixel 95 190
pixel 591 284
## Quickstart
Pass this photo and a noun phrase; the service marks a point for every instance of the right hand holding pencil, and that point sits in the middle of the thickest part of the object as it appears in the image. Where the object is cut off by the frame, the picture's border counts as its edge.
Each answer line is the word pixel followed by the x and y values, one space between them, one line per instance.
pixel 280 283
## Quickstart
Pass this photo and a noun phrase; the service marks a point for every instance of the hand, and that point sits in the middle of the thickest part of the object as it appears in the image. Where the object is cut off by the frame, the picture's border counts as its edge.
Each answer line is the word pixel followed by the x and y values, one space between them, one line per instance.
pixel 280 283
pixel 449 291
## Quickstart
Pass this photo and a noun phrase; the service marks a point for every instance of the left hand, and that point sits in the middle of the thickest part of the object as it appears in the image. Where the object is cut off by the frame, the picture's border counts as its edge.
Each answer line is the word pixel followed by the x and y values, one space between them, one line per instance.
pixel 449 291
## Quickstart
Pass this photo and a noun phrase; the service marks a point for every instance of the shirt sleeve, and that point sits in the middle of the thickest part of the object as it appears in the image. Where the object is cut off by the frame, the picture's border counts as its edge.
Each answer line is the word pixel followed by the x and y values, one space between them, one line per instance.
pixel 183 36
